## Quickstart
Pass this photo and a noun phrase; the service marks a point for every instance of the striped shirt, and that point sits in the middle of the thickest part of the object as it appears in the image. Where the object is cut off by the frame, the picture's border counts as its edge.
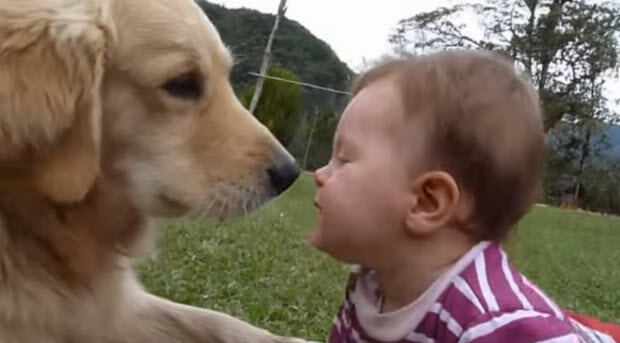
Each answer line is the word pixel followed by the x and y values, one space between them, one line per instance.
pixel 482 298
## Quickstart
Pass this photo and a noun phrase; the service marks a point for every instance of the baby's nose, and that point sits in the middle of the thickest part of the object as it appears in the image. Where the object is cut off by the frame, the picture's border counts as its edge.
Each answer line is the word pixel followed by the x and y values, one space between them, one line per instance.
pixel 319 177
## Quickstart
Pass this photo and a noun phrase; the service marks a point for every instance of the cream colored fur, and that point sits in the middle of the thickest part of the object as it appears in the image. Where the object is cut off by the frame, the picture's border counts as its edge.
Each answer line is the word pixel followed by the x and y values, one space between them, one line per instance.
pixel 92 147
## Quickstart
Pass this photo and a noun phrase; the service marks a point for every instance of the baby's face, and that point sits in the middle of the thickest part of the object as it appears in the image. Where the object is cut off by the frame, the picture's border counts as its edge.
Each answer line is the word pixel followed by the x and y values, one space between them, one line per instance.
pixel 362 193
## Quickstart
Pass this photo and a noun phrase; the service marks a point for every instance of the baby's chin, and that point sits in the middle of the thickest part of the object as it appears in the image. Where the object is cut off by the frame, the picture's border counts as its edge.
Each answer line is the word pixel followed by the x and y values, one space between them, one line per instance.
pixel 318 239
pixel 315 238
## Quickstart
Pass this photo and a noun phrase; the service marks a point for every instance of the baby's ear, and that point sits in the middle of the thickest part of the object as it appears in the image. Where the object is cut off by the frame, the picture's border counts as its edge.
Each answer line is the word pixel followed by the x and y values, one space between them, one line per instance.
pixel 51 70
pixel 433 205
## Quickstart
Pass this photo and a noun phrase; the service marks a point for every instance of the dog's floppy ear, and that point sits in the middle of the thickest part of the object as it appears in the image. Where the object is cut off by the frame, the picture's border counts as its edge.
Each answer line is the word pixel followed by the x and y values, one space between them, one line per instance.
pixel 51 69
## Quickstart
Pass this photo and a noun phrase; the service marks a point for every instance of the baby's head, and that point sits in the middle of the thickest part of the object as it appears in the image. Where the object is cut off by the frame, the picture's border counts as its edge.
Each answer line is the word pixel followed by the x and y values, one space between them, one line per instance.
pixel 449 141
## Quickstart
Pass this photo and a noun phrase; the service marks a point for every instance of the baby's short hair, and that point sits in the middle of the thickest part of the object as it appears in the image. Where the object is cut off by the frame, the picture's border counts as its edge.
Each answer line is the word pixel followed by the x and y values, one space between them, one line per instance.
pixel 484 126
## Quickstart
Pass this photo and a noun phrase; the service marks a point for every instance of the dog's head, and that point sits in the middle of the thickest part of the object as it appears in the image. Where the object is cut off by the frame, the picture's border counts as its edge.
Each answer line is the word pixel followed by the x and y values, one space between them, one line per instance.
pixel 137 91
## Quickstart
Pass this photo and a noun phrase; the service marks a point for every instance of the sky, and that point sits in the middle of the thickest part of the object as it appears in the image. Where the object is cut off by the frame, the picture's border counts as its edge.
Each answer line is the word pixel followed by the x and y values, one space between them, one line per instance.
pixel 355 29
pixel 358 30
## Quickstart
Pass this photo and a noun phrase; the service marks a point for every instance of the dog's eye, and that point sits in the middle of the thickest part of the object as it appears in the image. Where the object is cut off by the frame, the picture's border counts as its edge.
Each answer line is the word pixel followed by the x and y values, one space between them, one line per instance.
pixel 186 86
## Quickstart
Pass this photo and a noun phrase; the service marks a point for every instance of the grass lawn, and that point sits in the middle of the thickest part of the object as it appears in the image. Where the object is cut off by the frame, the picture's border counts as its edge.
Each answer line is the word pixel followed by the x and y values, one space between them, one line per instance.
pixel 262 270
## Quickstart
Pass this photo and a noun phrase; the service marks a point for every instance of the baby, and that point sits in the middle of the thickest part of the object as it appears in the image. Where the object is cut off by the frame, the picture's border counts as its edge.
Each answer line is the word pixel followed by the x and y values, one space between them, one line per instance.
pixel 435 159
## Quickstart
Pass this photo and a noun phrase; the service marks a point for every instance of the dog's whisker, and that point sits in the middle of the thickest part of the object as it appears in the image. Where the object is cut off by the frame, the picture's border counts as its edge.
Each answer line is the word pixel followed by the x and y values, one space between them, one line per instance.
pixel 232 200
pixel 244 206
pixel 209 207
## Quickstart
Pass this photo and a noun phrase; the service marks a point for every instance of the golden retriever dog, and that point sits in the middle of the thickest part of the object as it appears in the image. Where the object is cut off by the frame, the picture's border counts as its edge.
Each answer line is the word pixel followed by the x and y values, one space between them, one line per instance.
pixel 113 112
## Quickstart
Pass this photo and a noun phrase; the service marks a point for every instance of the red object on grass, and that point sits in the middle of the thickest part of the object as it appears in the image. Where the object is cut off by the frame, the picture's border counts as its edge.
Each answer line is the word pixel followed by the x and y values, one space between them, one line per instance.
pixel 612 330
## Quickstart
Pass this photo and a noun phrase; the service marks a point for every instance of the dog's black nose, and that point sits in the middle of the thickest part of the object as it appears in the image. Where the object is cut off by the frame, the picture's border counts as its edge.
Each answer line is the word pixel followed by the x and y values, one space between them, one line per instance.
pixel 283 174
